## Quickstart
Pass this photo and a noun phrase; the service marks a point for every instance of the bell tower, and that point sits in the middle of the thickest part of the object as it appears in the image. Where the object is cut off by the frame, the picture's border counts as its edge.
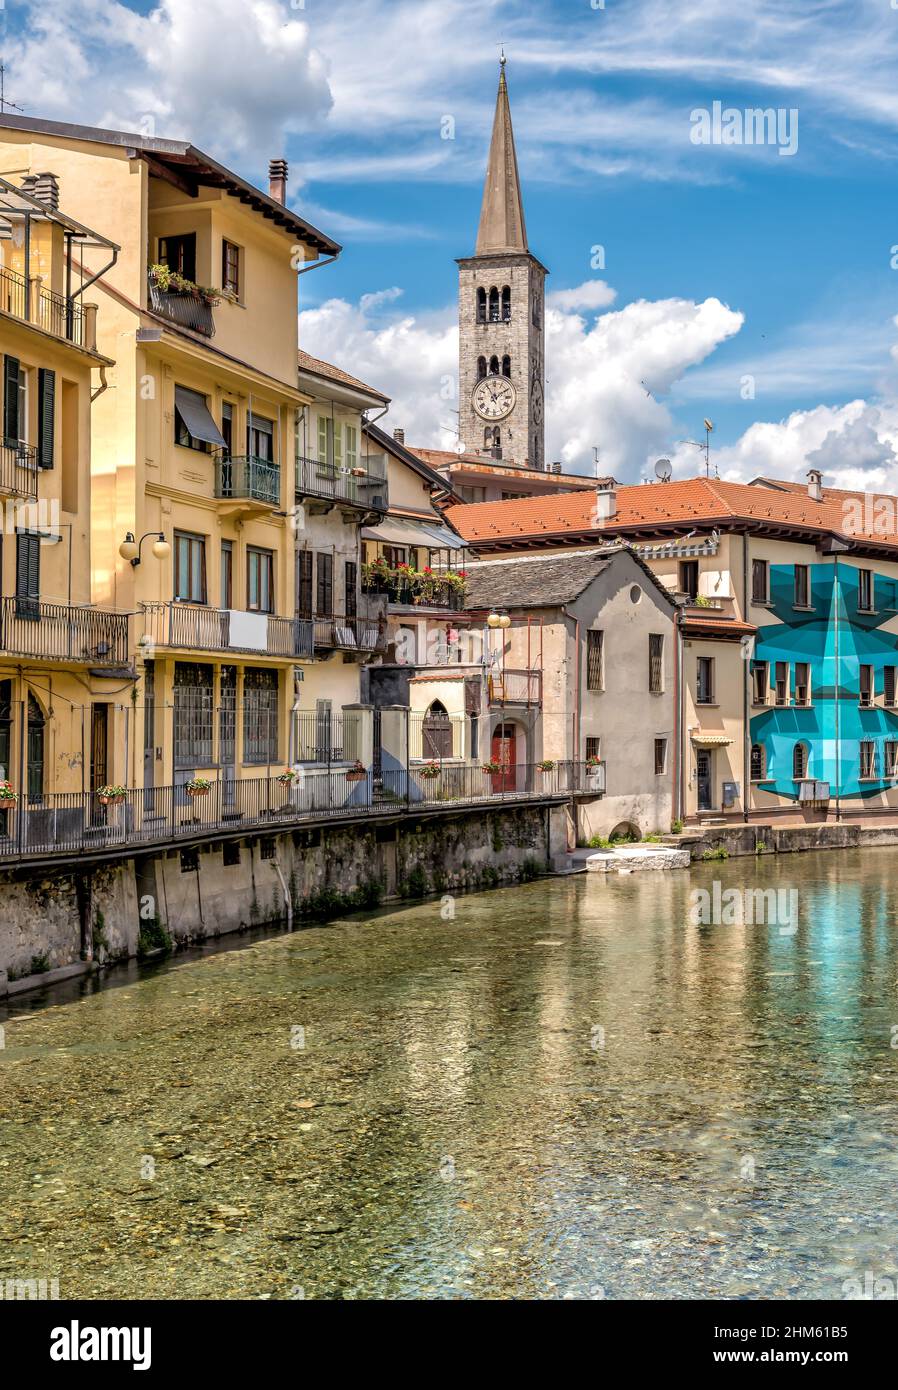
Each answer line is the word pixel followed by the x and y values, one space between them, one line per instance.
pixel 501 304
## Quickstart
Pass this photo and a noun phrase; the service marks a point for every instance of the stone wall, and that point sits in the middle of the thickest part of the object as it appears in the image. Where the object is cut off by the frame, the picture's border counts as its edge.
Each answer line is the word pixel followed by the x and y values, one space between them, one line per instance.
pixel 180 896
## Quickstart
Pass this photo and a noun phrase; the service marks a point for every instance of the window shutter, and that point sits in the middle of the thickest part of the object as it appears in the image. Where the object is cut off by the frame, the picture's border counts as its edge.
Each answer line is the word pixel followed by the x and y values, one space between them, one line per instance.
pixel 304 583
pixel 28 566
pixel 322 439
pixel 351 446
pixel 338 444
pixel 46 406
pixel 11 399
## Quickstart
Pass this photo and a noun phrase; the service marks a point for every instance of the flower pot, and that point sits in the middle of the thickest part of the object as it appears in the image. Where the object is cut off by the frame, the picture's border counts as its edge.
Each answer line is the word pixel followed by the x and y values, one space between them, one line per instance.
pixel 356 776
pixel 197 791
pixel 112 800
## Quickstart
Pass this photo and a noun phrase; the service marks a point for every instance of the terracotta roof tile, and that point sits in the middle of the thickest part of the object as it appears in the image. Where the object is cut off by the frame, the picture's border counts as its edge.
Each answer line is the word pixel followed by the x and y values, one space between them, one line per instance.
pixel 318 367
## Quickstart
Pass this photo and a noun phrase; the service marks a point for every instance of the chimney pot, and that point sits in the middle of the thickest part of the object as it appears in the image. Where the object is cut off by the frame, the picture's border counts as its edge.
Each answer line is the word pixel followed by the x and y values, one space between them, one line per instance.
pixel 399 436
pixel 815 484
pixel 606 503
pixel 44 187
pixel 277 180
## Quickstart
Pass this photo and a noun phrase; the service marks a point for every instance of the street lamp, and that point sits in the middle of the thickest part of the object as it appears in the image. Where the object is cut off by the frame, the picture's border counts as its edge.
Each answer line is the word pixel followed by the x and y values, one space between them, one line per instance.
pixel 130 548
pixel 498 618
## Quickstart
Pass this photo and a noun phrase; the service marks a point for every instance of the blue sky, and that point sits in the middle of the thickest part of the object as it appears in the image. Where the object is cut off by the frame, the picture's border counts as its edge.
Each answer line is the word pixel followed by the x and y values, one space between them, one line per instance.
pixel 722 263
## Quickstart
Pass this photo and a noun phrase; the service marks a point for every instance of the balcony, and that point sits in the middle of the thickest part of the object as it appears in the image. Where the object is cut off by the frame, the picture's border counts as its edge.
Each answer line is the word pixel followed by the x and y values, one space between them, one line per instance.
pixel 185 308
pixel 54 313
pixel 63 632
pixel 18 471
pixel 514 687
pixel 248 480
pixel 364 486
pixel 407 593
pixel 195 627
pixel 337 632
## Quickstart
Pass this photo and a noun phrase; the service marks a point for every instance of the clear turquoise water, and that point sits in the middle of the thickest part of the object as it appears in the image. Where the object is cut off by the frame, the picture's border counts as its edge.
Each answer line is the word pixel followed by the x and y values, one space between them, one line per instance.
pixel 456 1125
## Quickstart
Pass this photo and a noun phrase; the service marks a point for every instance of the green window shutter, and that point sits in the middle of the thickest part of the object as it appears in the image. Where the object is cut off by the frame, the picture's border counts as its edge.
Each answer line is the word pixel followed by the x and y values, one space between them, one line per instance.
pixel 322 439
pixel 46 416
pixel 28 566
pixel 352 452
pixel 11 431
pixel 338 444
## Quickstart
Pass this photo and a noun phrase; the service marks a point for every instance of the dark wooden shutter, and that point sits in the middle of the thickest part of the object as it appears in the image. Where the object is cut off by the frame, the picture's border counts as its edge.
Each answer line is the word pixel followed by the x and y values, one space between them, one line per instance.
pixel 304 583
pixel 46 407
pixel 351 588
pixel 11 371
pixel 28 574
pixel 325 584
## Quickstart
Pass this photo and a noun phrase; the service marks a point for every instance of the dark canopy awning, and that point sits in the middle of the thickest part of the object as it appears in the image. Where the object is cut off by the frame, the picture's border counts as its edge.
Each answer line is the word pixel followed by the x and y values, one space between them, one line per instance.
pixel 192 408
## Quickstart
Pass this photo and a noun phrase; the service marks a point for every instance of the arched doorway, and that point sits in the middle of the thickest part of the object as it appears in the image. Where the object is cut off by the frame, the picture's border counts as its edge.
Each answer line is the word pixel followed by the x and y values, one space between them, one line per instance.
pixel 437 732
pixel 504 752
pixel 37 729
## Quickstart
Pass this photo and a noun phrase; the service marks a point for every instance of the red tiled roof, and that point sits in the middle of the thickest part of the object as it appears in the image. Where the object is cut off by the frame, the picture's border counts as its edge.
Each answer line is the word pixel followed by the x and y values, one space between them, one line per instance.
pixel 318 367
pixel 706 501
pixel 443 458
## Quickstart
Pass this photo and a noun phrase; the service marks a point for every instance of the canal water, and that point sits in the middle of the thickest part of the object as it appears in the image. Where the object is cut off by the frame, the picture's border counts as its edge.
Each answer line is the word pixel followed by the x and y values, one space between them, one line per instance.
pixel 565 1090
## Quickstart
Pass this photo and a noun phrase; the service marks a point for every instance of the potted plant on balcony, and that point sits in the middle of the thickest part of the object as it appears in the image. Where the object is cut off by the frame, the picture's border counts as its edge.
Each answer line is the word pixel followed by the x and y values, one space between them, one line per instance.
pixel 111 794
pixel 492 767
pixel 357 472
pixel 171 281
pixel 356 773
pixel 376 576
pixel 429 770
pixel 198 786
pixel 547 765
pixel 8 797
pixel 287 776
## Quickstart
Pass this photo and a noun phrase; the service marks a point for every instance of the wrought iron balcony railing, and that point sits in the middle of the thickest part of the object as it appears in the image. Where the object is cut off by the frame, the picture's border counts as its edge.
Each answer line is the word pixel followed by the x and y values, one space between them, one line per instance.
pixel 248 477
pixel 512 687
pixel 54 313
pixel 18 470
pixel 196 627
pixel 186 308
pixel 336 632
pixel 364 486
pixel 63 632
pixel 438 593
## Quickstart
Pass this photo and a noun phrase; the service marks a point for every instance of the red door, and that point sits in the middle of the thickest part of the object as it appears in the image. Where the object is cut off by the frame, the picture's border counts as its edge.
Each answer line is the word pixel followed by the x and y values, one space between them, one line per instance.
pixel 504 754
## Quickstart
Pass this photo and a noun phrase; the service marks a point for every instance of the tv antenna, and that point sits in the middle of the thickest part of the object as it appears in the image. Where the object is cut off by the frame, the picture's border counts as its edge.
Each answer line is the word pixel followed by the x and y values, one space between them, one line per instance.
pixel 706 447
pixel 595 459
pixel 5 104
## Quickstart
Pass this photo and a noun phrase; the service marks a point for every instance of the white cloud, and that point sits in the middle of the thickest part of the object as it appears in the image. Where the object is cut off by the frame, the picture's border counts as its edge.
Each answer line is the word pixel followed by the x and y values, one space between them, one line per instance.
pixel 854 445
pixel 592 294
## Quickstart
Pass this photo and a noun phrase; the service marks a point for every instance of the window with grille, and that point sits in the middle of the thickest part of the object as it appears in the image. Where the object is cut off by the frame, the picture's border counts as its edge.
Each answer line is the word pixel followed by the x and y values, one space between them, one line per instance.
pixel 193 689
pixel 801 589
pixel 595 660
pixel 782 682
pixel 865 591
pixel 868 758
pixel 866 699
pixel 705 681
pixel 891 757
pixel 799 762
pixel 656 663
pixel 757 762
pixel 759 682
pixel 888 681
pixel 260 715
pixel 593 748
pixel 802 683
pixel 759 581
pixel 660 756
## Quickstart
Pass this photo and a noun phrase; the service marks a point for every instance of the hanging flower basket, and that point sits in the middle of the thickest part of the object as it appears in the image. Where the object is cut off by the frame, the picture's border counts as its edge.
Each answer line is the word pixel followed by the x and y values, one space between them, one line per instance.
pixel 111 795
pixel 430 770
pixel 356 773
pixel 198 786
pixel 491 767
pixel 7 795
pixel 286 777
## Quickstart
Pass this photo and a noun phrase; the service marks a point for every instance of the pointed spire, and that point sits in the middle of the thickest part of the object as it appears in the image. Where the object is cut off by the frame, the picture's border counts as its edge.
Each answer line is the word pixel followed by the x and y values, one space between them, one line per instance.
pixel 502 211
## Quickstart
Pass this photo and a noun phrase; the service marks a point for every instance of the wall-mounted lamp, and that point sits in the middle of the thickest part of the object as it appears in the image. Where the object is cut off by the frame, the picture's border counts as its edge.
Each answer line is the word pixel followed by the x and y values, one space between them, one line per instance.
pixel 498 619
pixel 130 548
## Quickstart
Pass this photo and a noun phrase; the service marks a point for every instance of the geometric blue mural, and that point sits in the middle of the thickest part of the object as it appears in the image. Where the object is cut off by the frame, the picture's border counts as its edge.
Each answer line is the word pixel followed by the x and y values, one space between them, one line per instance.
pixel 812 637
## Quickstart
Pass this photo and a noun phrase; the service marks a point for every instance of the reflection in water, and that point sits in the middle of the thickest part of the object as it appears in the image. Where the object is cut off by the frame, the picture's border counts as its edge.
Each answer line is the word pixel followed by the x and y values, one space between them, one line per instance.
pixel 567 1090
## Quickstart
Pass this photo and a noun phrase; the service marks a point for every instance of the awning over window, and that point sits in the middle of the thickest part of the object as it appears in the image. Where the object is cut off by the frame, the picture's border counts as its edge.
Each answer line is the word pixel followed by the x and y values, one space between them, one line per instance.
pixel 192 408
pixel 397 531
pixel 710 738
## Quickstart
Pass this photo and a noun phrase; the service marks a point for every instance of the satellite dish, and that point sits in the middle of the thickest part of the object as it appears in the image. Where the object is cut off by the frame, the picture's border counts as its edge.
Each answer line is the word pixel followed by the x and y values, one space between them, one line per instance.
pixel 663 470
pixel 708 425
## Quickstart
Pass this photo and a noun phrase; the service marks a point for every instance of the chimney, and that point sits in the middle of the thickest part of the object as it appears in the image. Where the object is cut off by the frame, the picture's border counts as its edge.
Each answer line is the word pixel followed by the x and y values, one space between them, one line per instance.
pixel 277 180
pixel 815 485
pixel 606 503
pixel 44 187
pixel 399 436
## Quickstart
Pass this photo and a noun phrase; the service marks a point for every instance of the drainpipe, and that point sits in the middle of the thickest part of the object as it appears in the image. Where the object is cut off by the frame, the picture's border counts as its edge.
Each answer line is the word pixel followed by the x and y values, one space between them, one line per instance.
pixel 836 686
pixel 679 800
pixel 288 902
pixel 746 729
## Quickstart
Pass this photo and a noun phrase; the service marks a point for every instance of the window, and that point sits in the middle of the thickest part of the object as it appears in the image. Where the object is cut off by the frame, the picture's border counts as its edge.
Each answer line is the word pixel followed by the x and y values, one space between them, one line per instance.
pixel 689 578
pixel 436 732
pixel 304 583
pixel 799 762
pixel 46 416
pixel 193 690
pixel 395 555
pixel 866 698
pixel 190 861
pixel 536 312
pixel 759 682
pixel 352 446
pixel 494 305
pixel 260 715
pixel 705 681
pixel 891 758
pixel 230 268
pixel 865 591
pixel 330 441
pixel 506 303
pixel 868 759
pixel 324 601
pixel 259 580
pixel 227 574
pixel 758 761
pixel 260 438
pixel 481 306
pixel 227 428
pixel 593 748
pixel 230 853
pixel 660 756
pixel 494 366
pixel 595 664
pixel 15 401
pixel 190 568
pixel 481 368
pixel 179 253
pixel 28 574
pixel 801 591
pixel 506 365
pixel 888 683
pixel 781 694
pixel 760 590
pixel 656 663
pixel 194 426
pixel 802 683
pixel 350 583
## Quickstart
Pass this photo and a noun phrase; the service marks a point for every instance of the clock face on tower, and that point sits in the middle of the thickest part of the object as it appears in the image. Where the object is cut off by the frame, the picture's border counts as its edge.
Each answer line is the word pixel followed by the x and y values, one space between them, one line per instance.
pixel 493 398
